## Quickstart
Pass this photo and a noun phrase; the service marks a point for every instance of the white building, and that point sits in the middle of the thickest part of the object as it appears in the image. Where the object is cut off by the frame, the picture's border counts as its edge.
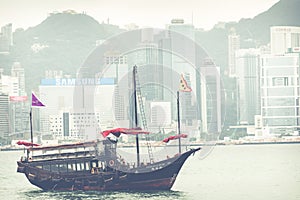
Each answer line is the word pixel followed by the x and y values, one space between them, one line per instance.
pixel 9 85
pixel 74 126
pixel 160 114
pixel 284 39
pixel 280 93
pixel 74 107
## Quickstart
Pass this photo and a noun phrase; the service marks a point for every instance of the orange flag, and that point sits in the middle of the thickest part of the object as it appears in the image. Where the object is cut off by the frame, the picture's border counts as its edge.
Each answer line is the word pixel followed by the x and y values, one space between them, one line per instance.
pixel 183 86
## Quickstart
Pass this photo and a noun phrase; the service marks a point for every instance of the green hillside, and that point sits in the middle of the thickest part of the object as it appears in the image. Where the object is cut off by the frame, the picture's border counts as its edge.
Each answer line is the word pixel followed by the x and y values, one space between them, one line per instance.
pixel 60 42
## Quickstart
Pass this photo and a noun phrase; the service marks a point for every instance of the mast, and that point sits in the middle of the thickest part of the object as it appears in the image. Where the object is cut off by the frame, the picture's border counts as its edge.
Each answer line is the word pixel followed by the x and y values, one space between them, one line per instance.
pixel 31 131
pixel 136 115
pixel 178 118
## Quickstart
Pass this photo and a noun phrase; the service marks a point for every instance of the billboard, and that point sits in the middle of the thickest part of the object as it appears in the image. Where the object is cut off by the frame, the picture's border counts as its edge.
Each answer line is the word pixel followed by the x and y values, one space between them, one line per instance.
pixel 18 98
pixel 76 81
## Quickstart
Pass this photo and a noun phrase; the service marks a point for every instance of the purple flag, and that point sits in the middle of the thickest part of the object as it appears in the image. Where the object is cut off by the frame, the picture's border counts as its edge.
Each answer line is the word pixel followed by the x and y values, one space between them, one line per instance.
pixel 35 101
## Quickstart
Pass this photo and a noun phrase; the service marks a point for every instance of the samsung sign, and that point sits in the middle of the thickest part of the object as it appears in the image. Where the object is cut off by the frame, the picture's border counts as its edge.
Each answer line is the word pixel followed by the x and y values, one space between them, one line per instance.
pixel 74 81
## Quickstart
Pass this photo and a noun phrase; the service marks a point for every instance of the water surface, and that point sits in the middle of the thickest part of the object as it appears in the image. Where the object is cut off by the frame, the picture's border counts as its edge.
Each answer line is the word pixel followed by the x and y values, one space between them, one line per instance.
pixel 228 172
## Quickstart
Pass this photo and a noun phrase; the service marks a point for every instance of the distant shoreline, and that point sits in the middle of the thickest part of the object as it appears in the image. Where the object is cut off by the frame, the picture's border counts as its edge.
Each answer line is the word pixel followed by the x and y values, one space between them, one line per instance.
pixel 259 143
pixel 193 144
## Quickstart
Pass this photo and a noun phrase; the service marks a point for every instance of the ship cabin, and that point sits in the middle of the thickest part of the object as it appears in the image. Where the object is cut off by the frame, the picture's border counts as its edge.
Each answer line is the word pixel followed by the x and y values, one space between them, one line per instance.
pixel 94 157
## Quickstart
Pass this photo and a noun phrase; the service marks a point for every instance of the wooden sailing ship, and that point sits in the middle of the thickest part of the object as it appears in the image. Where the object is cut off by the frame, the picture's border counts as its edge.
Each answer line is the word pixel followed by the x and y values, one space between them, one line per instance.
pixel 95 165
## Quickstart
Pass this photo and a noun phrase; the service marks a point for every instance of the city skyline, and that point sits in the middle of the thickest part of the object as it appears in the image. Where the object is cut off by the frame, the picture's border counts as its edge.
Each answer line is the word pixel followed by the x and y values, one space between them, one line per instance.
pixel 203 14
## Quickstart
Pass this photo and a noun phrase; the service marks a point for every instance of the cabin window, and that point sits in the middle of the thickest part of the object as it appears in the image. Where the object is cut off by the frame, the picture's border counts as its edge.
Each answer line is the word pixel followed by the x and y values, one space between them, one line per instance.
pixel 87 166
pixel 74 167
pixel 80 166
pixel 70 167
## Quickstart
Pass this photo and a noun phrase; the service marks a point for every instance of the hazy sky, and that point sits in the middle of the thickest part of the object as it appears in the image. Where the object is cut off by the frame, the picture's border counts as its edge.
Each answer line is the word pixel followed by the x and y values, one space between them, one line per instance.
pixel 153 13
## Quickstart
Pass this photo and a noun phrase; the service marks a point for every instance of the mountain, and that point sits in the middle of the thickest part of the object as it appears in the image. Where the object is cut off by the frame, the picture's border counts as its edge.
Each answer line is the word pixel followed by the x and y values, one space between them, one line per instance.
pixel 61 42
pixel 253 32
pixel 283 13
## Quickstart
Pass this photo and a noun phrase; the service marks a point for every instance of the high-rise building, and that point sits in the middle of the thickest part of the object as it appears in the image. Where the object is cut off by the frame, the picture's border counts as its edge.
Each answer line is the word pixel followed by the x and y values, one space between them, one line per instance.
pixel 248 85
pixel 6 39
pixel 280 93
pixel 9 85
pixel 19 117
pixel 4 118
pixel 149 71
pixel 116 67
pixel 211 97
pixel 180 64
pixel 18 71
pixel 18 109
pixel 181 37
pixel 233 45
pixel 188 108
pixel 284 39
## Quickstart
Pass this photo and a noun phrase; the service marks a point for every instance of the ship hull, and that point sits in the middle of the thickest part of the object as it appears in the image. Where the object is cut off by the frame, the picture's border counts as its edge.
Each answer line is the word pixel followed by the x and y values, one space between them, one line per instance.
pixel 115 180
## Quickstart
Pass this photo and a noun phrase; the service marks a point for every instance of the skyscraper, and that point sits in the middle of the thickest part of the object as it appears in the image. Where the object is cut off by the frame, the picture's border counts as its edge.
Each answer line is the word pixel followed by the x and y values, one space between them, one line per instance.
pixel 280 93
pixel 233 45
pixel 17 111
pixel 188 108
pixel 284 39
pixel 145 58
pixel 6 39
pixel 181 64
pixel 18 71
pixel 248 84
pixel 116 67
pixel 4 118
pixel 211 97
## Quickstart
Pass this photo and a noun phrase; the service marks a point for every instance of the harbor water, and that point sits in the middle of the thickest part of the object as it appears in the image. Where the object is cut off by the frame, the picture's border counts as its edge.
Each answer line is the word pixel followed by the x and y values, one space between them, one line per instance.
pixel 231 172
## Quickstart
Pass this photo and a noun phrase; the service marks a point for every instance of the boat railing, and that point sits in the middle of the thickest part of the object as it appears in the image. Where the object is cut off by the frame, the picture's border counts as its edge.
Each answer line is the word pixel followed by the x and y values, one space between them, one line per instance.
pixel 78 145
pixel 69 155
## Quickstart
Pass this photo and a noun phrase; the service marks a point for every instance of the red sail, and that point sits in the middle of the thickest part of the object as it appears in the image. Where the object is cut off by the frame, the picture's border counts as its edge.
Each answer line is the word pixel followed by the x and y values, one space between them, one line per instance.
pixel 174 137
pixel 117 131
pixel 27 144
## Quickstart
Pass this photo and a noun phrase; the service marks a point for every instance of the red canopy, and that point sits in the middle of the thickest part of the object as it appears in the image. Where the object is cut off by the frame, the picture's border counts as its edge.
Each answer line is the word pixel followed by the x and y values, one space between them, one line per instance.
pixel 174 137
pixel 129 131
pixel 27 144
